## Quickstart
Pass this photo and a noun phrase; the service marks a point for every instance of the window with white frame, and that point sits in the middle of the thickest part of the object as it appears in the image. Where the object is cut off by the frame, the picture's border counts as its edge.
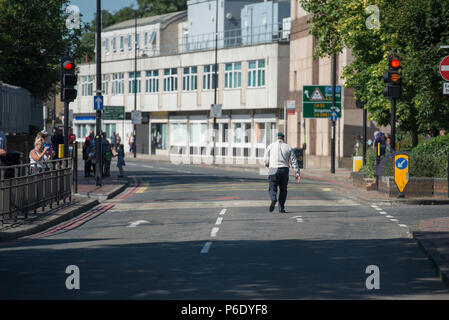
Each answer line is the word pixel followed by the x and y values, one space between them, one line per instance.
pixel 233 75
pixel 152 81
pixel 209 77
pixel 170 80
pixel 189 79
pixel 87 85
pixel 137 40
pixel 134 82
pixel 114 44
pixel 256 73
pixel 145 41
pixel 118 83
pixel 129 42
pixel 105 83
pixel 106 45
pixel 122 43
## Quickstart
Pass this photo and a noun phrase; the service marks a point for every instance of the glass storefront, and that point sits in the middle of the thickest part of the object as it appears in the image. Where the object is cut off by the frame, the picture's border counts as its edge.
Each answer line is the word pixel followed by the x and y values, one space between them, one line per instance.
pixel 158 137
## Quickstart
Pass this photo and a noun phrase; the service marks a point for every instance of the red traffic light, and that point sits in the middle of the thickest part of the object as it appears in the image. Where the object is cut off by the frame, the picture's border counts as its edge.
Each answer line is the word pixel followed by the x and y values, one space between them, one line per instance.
pixel 394 63
pixel 68 65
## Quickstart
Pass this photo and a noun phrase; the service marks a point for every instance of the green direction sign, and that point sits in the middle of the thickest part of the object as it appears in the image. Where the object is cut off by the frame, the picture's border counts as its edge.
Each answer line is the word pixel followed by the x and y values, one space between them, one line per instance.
pixel 317 101
pixel 113 113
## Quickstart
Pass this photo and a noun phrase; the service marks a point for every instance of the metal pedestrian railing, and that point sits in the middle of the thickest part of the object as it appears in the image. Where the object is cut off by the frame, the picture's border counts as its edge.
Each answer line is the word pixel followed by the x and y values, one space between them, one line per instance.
pixel 25 188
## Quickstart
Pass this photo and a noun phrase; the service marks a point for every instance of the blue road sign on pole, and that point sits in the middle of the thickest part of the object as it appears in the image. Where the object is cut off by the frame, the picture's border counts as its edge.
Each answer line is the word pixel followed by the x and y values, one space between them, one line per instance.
pixel 98 102
pixel 334 116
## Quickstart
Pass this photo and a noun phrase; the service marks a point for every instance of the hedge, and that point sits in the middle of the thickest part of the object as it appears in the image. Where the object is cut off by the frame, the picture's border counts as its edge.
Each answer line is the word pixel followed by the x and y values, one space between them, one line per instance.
pixel 428 159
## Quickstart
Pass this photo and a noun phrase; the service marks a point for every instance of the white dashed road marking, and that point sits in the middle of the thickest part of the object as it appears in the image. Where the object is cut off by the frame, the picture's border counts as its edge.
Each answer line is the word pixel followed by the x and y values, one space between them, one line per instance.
pixel 214 231
pixel 206 247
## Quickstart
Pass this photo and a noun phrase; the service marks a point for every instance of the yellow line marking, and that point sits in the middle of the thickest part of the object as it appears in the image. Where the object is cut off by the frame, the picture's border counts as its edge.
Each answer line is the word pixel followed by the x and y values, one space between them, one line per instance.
pixel 141 189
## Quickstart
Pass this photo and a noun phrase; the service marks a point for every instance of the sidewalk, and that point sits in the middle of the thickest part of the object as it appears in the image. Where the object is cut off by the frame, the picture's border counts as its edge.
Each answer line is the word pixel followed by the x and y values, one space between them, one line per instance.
pixel 88 196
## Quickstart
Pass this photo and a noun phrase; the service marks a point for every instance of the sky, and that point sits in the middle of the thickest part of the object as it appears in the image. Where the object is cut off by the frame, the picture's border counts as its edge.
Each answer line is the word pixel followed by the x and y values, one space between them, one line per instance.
pixel 88 8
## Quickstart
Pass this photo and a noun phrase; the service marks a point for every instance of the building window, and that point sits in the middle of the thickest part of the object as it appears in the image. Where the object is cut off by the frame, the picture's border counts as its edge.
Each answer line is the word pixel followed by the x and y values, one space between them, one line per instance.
pixel 134 84
pixel 129 42
pixel 87 85
pixel 189 79
pixel 209 77
pixel 104 84
pixel 242 132
pixel 145 41
pixel 114 44
pixel 233 75
pixel 109 128
pixel 106 45
pixel 256 73
pixel 152 81
pixel 118 83
pixel 122 43
pixel 159 136
pixel 137 40
pixel 170 79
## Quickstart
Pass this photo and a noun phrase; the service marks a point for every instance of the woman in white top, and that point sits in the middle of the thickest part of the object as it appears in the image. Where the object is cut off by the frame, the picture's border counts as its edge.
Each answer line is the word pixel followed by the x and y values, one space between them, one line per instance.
pixel 39 155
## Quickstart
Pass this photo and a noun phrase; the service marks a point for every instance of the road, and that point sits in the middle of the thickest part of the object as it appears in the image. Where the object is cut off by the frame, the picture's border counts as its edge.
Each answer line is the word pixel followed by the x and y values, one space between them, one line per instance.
pixel 196 232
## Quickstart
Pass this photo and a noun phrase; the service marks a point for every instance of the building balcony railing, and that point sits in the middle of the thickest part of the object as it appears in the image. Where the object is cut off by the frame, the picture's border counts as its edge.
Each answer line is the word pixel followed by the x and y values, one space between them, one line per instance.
pixel 243 36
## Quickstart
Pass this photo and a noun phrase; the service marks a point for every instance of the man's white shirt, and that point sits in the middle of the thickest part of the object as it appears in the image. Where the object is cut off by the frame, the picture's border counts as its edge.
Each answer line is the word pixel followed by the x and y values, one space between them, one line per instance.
pixel 280 155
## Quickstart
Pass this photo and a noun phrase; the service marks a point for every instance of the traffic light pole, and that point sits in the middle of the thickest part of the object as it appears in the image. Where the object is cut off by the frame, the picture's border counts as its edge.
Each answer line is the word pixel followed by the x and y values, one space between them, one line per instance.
pixel 98 165
pixel 66 129
pixel 393 125
pixel 365 115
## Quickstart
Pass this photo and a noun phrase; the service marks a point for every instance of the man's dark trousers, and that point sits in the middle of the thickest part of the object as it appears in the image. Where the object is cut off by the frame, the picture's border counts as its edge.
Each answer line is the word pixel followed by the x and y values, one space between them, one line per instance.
pixel 280 178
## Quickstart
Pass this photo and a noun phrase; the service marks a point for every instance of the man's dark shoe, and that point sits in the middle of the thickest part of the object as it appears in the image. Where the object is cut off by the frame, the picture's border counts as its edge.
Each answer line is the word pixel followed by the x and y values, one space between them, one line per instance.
pixel 282 211
pixel 272 205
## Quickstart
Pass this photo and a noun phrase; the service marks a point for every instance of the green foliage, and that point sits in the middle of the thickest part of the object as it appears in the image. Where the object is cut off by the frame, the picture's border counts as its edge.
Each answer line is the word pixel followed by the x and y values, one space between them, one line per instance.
pixel 370 165
pixel 33 36
pixel 415 28
pixel 428 159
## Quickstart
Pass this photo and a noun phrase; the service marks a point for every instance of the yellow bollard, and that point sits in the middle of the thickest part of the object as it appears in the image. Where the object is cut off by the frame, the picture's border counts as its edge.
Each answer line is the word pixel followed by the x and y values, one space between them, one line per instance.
pixel 61 151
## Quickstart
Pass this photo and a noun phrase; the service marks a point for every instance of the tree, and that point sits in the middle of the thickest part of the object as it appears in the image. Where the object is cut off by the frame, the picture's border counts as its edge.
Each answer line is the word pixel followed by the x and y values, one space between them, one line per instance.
pixel 157 7
pixel 33 36
pixel 415 28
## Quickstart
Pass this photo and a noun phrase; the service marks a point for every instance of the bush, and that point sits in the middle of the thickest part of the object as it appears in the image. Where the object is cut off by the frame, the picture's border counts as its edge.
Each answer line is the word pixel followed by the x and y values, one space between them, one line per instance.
pixel 368 168
pixel 428 159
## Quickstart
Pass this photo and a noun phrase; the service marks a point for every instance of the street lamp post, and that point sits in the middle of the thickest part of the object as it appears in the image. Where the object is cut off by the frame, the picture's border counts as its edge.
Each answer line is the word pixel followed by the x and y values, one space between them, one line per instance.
pixel 214 119
pixel 135 81
pixel 98 165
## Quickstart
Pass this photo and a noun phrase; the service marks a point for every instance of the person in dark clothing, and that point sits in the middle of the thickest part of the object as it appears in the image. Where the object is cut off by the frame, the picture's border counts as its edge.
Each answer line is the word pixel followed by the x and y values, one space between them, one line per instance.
pixel 87 151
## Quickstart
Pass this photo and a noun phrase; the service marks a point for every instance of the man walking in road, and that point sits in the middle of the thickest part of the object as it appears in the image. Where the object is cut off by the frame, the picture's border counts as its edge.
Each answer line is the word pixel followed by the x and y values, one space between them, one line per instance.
pixel 278 157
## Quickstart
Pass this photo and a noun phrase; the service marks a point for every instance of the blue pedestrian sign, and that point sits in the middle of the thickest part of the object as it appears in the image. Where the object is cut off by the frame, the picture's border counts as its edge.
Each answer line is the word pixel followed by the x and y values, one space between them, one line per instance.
pixel 401 163
pixel 98 102
pixel 334 116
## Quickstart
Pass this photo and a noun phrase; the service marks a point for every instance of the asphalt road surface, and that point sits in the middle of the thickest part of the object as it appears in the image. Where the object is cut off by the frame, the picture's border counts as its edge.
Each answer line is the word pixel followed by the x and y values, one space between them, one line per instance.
pixel 193 232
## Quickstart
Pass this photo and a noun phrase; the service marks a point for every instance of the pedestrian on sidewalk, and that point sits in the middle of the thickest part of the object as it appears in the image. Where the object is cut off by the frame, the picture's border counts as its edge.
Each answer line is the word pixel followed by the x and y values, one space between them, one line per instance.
pixel 120 159
pixel 131 142
pixel 87 150
pixel 39 156
pixel 3 147
pixel 107 159
pixel 113 140
pixel 278 158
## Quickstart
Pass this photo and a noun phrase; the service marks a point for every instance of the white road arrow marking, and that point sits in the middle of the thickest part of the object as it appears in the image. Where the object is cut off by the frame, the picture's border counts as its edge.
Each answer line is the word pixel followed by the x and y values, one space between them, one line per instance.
pixel 136 223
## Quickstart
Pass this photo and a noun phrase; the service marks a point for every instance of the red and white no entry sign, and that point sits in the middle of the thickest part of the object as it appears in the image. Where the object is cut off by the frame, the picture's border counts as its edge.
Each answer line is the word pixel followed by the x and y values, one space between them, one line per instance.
pixel 444 68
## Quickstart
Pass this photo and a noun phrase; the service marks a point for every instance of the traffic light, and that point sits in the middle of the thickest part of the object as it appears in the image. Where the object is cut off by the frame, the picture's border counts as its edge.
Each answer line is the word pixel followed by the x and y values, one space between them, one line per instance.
pixel 68 79
pixel 393 78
